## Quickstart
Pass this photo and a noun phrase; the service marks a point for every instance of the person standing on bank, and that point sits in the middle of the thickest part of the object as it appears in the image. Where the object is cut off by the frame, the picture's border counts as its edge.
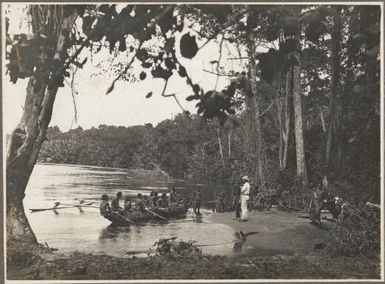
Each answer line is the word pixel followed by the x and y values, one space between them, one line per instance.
pixel 197 199
pixel 317 203
pixel 237 201
pixel 245 195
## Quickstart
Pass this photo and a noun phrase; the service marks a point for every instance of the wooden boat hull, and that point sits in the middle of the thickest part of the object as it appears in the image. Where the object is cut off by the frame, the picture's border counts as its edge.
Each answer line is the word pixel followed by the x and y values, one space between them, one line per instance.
pixel 120 220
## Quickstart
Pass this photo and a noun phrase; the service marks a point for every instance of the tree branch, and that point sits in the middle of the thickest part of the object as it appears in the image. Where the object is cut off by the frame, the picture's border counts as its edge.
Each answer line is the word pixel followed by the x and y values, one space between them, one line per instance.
pixel 111 87
pixel 189 81
pixel 267 109
pixel 219 61
pixel 164 90
pixel 171 95
pixel 177 101
pixel 219 74
pixel 160 16
pixel 73 94
pixel 238 58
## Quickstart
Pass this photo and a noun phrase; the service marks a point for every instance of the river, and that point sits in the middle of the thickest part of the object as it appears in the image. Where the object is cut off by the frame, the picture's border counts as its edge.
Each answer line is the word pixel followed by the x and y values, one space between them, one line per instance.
pixel 72 230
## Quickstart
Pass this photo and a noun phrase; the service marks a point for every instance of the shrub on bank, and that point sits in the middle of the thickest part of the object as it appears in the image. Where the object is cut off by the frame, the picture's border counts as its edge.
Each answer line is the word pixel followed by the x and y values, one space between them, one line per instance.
pixel 172 248
pixel 357 232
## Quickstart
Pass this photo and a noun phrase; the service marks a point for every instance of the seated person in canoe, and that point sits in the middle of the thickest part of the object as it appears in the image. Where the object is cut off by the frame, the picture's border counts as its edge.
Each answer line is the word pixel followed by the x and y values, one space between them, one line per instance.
pixel 139 203
pixel 104 205
pixel 163 201
pixel 127 204
pixel 115 207
pixel 174 196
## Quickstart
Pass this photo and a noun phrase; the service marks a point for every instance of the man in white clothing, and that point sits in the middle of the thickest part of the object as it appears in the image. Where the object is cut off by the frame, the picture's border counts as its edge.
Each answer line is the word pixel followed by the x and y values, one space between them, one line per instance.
pixel 245 194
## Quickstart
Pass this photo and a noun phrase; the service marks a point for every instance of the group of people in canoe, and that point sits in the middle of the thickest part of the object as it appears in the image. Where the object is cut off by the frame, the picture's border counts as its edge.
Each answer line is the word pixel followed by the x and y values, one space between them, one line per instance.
pixel 139 203
pixel 142 202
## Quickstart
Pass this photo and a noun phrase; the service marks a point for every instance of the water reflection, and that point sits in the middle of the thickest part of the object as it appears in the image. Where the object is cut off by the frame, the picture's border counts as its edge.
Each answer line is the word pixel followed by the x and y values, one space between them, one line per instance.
pixel 112 232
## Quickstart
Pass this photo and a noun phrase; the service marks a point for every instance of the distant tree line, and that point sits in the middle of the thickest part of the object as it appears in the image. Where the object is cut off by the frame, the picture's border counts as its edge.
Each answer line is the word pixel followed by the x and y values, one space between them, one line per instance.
pixel 185 147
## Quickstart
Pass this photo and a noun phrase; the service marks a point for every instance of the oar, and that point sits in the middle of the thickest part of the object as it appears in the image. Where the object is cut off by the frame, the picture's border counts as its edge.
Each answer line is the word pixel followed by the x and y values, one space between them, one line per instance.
pixel 125 218
pixel 56 207
pixel 153 213
pixel 87 206
pixel 75 205
pixel 46 209
pixel 81 205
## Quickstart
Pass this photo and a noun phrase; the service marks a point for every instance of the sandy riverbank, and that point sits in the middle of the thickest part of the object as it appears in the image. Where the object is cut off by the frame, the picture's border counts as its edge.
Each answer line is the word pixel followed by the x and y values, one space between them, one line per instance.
pixel 278 232
pixel 283 248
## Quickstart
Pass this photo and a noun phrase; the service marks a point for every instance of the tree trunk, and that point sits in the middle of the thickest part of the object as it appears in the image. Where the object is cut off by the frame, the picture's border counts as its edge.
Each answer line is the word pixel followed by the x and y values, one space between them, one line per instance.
pixel 280 131
pixel 220 147
pixel 322 119
pixel 250 147
pixel 286 125
pixel 280 119
pixel 284 117
pixel 24 145
pixel 298 123
pixel 253 107
pixel 334 82
pixel 229 134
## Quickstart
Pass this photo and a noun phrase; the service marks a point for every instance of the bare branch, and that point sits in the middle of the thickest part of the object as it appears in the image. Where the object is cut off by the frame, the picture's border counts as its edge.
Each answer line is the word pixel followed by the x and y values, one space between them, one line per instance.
pixel 220 74
pixel 171 95
pixel 177 101
pixel 73 94
pixel 164 90
pixel 238 58
pixel 267 109
pixel 219 61
pixel 189 81
pixel 125 70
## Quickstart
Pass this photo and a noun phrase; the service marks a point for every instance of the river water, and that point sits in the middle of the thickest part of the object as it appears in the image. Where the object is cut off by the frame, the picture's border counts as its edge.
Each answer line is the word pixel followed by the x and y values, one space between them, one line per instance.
pixel 72 230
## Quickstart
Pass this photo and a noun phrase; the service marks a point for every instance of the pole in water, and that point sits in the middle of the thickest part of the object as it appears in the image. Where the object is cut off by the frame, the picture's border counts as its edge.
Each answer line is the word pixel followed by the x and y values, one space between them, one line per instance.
pixel 153 213
pixel 128 220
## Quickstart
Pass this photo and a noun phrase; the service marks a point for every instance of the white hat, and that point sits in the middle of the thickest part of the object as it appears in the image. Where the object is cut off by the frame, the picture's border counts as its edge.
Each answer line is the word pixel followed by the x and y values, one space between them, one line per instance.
pixel 245 178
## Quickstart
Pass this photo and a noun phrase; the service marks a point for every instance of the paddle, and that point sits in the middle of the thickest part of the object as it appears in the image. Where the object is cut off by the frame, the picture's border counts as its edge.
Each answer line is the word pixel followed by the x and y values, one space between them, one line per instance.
pixel 125 218
pixel 81 205
pixel 56 204
pixel 46 209
pixel 157 215
pixel 76 205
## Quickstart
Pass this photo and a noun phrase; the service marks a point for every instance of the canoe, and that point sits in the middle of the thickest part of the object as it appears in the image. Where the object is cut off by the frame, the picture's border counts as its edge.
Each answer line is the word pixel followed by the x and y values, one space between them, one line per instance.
pixel 130 217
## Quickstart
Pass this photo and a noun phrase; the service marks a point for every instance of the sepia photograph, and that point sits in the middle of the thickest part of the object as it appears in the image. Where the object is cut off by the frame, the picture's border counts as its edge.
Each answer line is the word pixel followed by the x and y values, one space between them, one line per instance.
pixel 192 142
